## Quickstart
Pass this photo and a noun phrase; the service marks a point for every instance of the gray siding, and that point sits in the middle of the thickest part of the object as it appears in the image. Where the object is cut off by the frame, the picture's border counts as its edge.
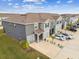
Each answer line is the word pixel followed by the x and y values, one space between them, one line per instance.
pixel 41 25
pixel 14 30
pixel 52 24
pixel 30 33
pixel 29 29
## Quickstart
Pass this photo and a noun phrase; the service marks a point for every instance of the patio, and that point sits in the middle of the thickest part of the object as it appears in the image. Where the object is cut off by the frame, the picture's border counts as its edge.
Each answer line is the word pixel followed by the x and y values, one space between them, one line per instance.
pixel 46 48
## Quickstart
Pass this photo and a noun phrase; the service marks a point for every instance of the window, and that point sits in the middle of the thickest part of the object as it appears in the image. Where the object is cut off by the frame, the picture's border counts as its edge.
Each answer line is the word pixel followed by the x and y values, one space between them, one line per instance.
pixel 46 25
pixel 60 22
pixel 14 25
pixel 35 26
pixel 57 22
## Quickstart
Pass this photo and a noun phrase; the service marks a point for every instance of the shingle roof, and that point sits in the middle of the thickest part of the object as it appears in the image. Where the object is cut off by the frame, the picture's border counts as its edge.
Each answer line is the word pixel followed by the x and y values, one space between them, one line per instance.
pixel 69 15
pixel 38 31
pixel 31 18
pixel 49 16
pixel 8 14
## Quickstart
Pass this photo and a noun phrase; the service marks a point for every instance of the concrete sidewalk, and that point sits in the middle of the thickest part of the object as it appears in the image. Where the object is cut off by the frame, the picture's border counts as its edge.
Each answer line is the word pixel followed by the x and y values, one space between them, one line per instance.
pixel 46 48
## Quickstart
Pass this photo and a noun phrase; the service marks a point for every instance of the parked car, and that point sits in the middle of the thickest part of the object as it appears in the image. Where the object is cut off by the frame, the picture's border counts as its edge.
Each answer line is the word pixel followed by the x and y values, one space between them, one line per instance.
pixel 74 26
pixel 73 29
pixel 60 37
pixel 77 25
pixel 68 36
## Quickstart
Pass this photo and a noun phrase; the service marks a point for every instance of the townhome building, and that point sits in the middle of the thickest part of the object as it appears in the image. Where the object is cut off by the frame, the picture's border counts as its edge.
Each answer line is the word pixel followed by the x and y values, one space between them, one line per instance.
pixel 33 27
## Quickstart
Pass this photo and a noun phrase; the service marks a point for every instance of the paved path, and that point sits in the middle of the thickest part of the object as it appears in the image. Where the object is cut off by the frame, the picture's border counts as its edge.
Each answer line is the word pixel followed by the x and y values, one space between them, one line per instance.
pixel 70 50
pixel 46 48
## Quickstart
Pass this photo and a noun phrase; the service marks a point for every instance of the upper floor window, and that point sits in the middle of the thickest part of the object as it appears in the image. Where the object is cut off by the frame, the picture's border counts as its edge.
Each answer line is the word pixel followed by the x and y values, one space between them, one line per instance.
pixel 14 25
pixel 60 22
pixel 46 25
pixel 57 22
pixel 36 27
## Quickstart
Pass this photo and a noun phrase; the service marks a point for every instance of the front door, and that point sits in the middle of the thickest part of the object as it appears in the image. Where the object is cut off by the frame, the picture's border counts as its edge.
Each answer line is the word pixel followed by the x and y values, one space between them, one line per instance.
pixel 52 30
pixel 35 37
pixel 40 37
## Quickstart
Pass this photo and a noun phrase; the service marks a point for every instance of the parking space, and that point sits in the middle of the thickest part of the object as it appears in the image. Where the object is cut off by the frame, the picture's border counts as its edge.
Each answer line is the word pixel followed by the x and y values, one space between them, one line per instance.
pixel 71 50
pixel 68 53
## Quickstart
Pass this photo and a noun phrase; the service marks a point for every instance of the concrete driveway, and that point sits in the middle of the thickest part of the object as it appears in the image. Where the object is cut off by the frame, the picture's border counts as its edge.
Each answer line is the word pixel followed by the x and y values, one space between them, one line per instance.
pixel 70 50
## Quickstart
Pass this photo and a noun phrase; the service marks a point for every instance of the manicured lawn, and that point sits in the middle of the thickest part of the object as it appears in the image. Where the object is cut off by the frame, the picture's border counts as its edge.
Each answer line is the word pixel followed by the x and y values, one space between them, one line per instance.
pixel 11 49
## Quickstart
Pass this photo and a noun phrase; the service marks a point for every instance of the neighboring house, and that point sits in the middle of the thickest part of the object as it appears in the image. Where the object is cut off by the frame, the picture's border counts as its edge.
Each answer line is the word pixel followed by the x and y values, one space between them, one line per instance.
pixel 74 19
pixel 65 20
pixel 69 18
pixel 58 25
pixel 1 20
pixel 33 26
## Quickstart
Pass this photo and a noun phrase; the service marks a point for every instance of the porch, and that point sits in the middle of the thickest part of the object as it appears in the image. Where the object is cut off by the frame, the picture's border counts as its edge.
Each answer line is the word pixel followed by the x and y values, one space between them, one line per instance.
pixel 38 35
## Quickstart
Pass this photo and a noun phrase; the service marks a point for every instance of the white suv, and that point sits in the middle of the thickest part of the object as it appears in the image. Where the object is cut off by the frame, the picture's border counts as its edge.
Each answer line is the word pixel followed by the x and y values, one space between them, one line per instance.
pixel 60 37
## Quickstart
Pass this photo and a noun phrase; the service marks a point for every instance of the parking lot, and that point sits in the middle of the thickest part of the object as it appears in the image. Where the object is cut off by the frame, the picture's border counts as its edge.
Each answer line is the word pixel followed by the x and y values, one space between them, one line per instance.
pixel 70 47
pixel 71 50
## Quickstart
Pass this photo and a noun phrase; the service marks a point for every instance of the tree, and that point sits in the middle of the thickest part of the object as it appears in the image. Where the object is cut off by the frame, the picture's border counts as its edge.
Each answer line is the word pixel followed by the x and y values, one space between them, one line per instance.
pixel 69 25
pixel 25 44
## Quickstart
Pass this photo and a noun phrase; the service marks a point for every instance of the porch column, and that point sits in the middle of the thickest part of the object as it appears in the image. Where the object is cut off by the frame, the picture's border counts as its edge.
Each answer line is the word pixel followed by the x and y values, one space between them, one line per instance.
pixel 37 38
pixel 50 31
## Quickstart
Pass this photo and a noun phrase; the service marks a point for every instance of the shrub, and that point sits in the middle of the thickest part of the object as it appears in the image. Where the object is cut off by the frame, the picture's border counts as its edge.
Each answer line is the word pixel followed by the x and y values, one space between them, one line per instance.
pixel 69 25
pixel 24 44
pixel 61 46
pixel 53 37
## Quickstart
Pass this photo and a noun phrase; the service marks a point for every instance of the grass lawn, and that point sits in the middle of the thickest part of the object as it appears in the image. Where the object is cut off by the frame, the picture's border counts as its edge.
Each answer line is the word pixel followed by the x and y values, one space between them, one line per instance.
pixel 11 49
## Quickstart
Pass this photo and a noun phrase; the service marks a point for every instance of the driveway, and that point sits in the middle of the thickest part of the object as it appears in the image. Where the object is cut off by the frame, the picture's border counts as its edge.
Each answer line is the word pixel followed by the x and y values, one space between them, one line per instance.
pixel 70 50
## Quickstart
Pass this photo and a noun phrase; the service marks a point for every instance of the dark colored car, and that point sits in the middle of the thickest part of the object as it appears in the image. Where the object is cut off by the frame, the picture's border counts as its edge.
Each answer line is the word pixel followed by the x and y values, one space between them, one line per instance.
pixel 78 25
pixel 67 36
pixel 73 29
pixel 74 26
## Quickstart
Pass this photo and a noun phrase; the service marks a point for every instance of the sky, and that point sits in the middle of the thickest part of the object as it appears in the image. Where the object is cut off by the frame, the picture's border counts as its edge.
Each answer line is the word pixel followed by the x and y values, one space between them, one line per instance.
pixel 39 6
